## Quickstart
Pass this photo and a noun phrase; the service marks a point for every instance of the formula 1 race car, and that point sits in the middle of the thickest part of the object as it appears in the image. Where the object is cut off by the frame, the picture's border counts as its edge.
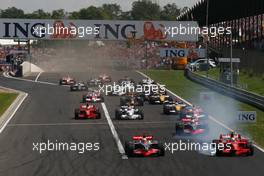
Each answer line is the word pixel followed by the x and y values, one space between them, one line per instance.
pixel 80 86
pixel 190 128
pixel 159 99
pixel 105 78
pixel 173 107
pixel 92 97
pixel 144 146
pixel 126 80
pixel 67 81
pixel 149 91
pixel 190 112
pixel 188 115
pixel 87 112
pixel 131 100
pixel 129 113
pixel 145 94
pixel 147 81
pixel 234 145
pixel 94 82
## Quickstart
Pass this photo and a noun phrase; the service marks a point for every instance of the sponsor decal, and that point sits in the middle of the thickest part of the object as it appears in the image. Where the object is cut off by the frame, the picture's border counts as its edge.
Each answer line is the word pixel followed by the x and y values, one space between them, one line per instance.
pixel 92 29
pixel 180 52
pixel 247 116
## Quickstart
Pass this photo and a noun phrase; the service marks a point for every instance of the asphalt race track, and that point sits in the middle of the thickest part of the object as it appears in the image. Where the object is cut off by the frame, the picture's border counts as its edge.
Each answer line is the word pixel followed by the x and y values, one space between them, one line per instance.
pixel 47 114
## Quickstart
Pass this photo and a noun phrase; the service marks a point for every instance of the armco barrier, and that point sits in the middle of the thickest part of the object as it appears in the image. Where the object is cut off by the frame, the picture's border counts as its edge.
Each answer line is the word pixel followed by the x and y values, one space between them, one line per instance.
pixel 240 94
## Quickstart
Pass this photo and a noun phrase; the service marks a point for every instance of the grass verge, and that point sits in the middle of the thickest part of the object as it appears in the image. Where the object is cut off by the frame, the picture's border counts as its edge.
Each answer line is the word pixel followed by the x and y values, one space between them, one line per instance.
pixel 175 81
pixel 6 100
pixel 247 80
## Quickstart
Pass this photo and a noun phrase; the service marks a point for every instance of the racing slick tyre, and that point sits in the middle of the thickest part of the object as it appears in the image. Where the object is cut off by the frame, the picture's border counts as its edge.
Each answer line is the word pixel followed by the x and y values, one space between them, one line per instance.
pixel 109 93
pixel 117 115
pixel 142 96
pixel 129 149
pixel 162 150
pixel 233 153
pixel 217 151
pixel 102 99
pixel 170 99
pixel 123 101
pixel 251 150
pixel 151 101
pixel 178 130
pixel 166 111
pixel 98 115
pixel 140 102
pixel 141 114
pixel 76 113
pixel 84 99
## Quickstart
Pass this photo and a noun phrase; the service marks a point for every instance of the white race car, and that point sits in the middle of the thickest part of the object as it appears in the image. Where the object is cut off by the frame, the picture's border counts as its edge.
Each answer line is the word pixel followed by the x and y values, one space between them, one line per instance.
pixel 129 113
pixel 147 81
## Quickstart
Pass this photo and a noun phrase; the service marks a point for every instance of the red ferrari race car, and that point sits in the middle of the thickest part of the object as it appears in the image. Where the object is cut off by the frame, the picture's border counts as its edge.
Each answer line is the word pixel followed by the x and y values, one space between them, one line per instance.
pixel 67 81
pixel 234 145
pixel 87 112
pixel 93 97
pixel 144 146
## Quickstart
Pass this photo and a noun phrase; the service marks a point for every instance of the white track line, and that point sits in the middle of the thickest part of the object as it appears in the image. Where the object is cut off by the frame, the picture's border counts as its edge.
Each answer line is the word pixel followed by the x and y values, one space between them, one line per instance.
pixel 13 113
pixel 53 124
pixel 210 117
pixel 114 133
pixel 87 123
pixel 36 80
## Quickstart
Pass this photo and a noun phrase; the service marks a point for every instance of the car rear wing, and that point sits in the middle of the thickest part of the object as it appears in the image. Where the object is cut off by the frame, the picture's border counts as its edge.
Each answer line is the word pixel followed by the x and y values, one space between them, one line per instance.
pixel 141 137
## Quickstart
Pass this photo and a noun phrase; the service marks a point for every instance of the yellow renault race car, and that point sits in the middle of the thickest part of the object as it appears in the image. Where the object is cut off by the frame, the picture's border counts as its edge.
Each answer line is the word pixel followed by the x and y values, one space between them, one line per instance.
pixel 173 107
pixel 159 99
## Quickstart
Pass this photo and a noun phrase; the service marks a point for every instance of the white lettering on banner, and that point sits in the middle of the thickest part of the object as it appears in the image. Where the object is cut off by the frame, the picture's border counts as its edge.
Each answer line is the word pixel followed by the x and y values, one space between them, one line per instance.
pixel 92 29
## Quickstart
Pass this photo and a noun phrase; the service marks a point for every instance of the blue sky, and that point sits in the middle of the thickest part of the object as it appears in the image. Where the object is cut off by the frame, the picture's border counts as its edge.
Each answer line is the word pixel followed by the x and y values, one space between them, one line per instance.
pixel 72 5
